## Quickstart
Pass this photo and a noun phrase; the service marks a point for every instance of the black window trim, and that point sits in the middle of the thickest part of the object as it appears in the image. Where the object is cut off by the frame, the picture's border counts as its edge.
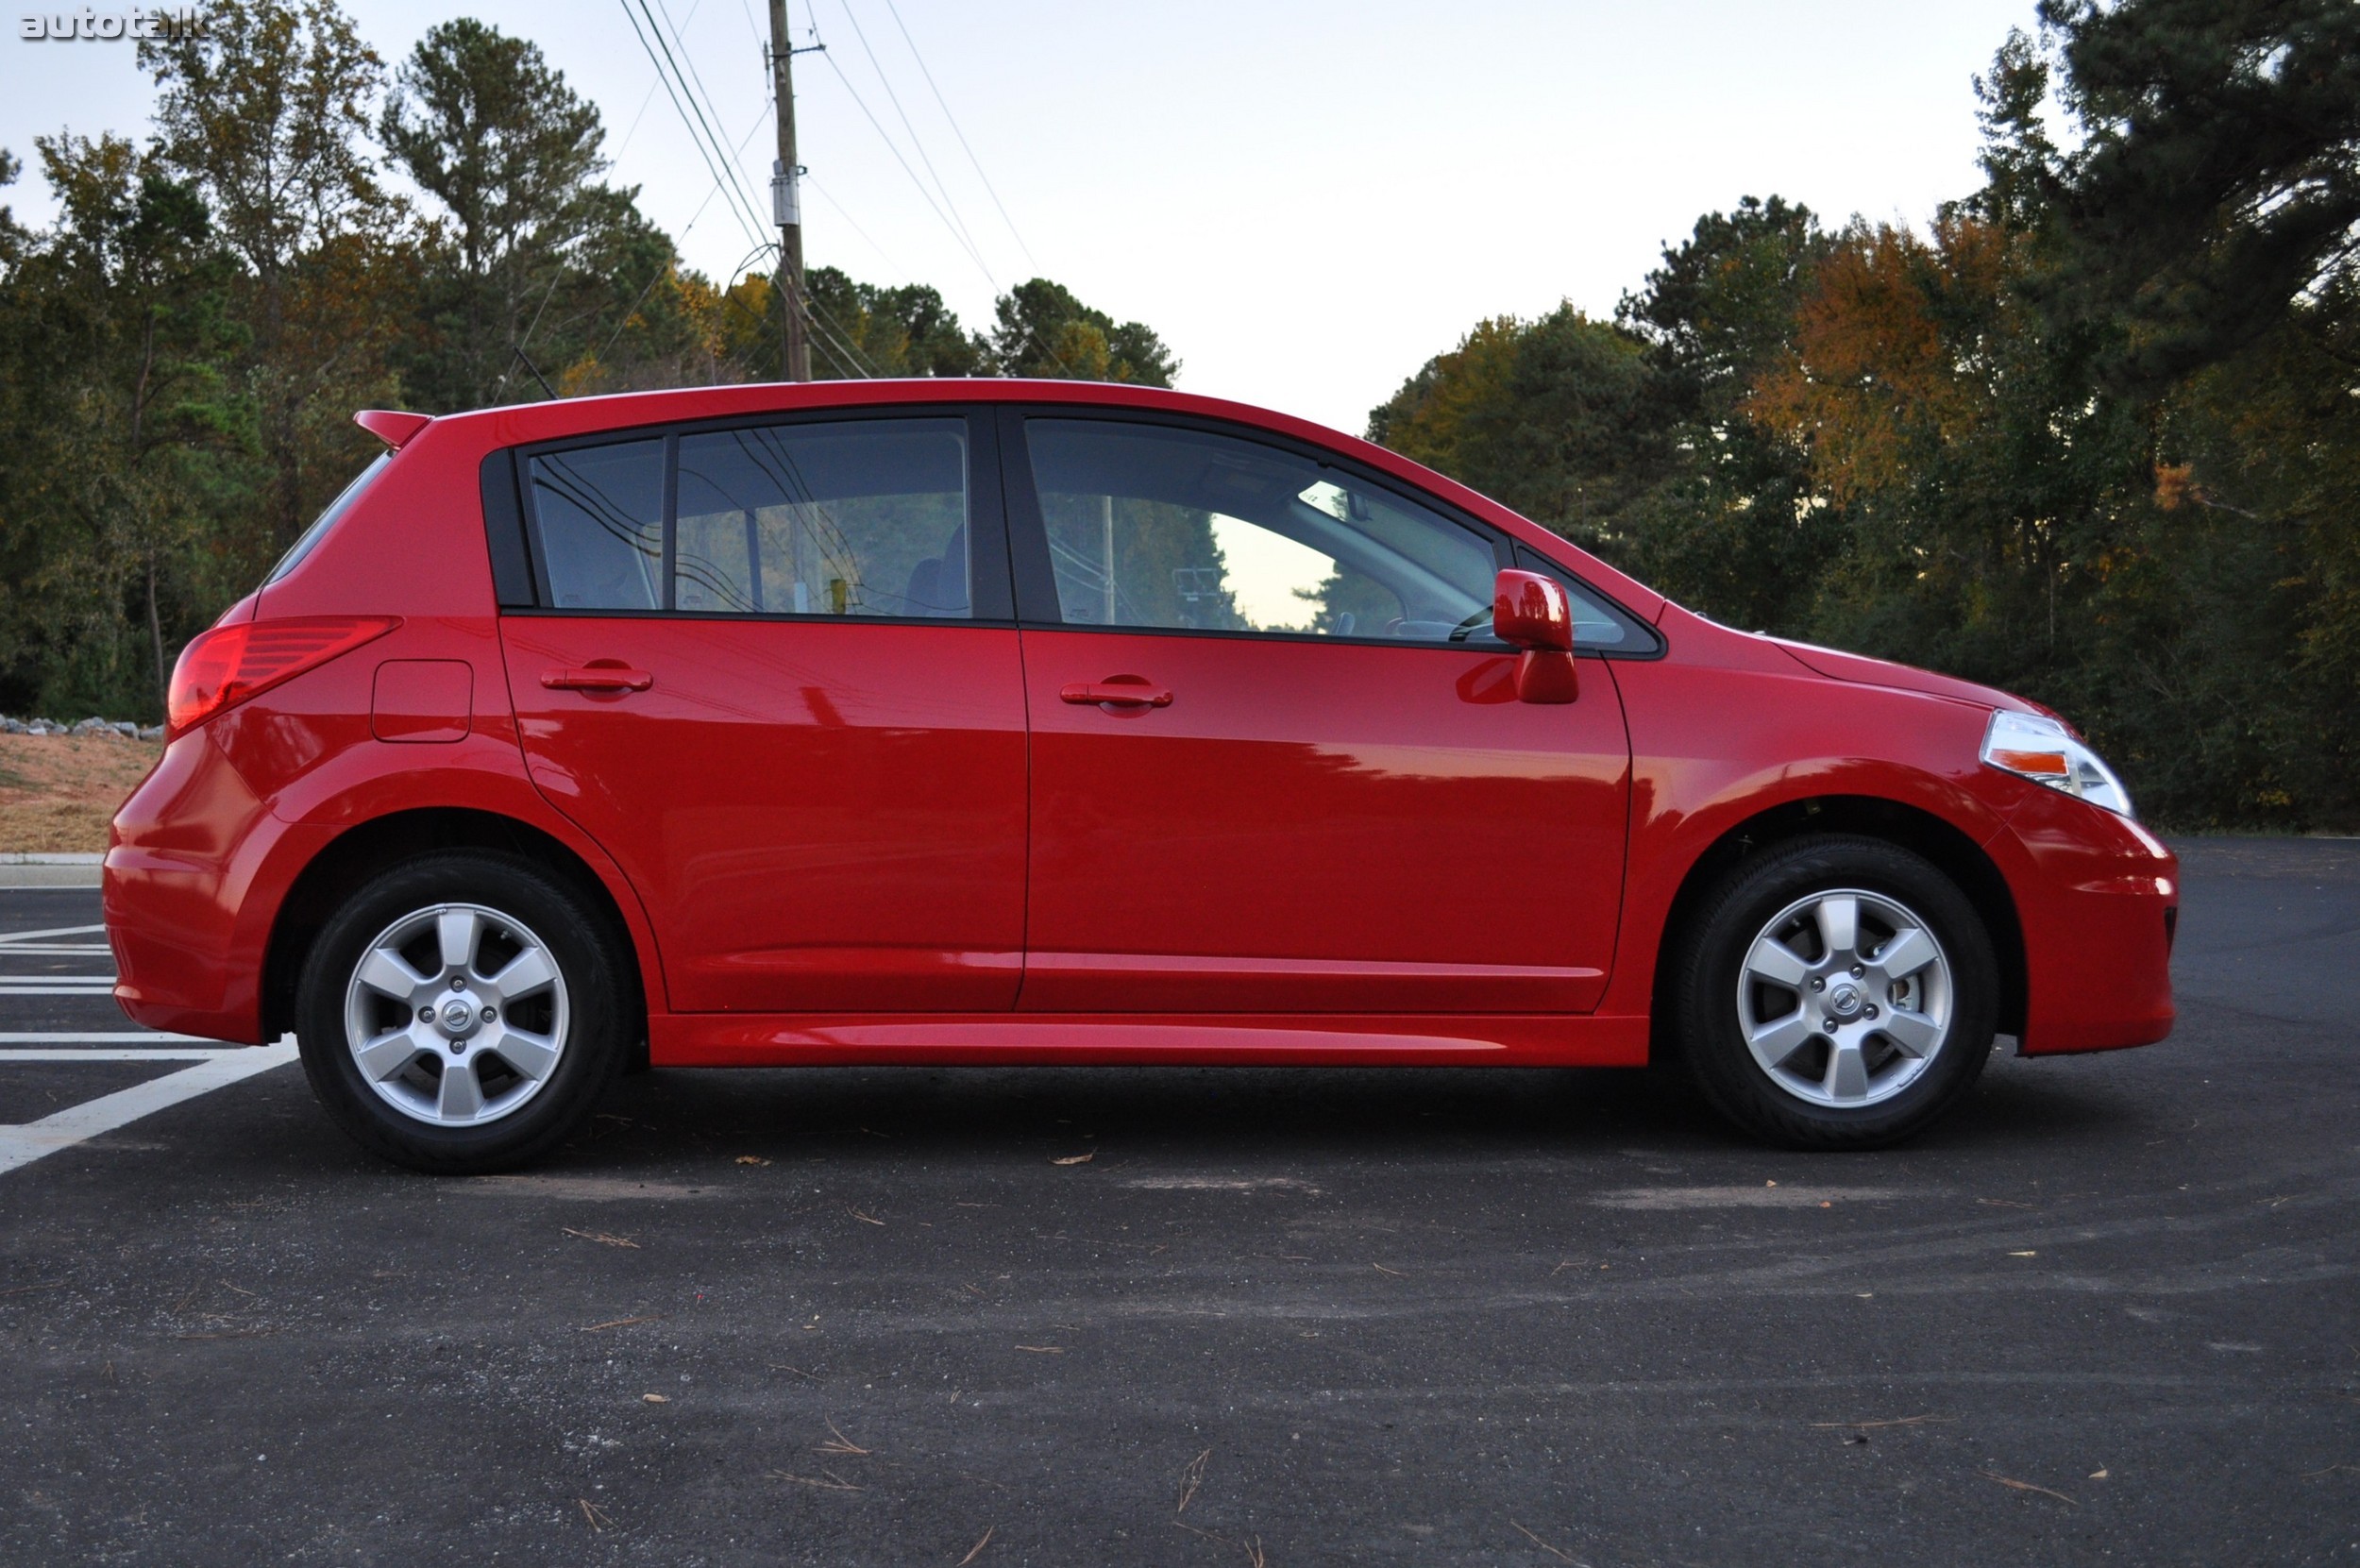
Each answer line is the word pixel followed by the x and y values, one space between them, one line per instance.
pixel 988 530
pixel 514 578
pixel 1035 574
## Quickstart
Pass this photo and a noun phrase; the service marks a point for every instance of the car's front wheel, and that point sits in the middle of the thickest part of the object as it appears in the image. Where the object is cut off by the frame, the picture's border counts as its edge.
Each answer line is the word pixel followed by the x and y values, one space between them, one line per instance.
pixel 1835 993
pixel 462 1013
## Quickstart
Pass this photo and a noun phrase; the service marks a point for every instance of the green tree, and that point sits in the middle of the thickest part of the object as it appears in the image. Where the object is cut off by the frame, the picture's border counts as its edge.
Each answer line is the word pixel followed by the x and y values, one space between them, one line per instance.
pixel 485 128
pixel 1734 525
pixel 2216 178
pixel 1042 331
pixel 1560 417
pixel 863 329
pixel 123 437
pixel 1634 437
pixel 264 110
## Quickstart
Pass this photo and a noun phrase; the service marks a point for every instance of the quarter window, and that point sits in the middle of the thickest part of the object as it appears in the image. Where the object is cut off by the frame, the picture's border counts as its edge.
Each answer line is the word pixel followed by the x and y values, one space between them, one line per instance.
pixel 600 510
pixel 1155 526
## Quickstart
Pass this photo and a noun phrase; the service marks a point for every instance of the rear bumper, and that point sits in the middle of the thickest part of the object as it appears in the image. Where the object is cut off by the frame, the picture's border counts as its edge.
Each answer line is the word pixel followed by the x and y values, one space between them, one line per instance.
pixel 2096 897
pixel 176 891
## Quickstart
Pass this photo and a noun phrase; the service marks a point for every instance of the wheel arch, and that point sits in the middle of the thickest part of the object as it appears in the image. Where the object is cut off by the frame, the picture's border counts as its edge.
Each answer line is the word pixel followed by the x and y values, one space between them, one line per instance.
pixel 1922 832
pixel 361 852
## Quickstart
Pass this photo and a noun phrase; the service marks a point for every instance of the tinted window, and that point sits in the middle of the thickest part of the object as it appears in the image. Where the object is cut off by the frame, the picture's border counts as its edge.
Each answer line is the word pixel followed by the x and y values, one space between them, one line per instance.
pixel 600 510
pixel 860 519
pixel 1153 526
pixel 1596 623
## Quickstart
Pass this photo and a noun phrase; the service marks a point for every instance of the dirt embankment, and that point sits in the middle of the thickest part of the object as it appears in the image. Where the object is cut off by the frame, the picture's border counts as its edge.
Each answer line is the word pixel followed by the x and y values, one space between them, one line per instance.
pixel 57 792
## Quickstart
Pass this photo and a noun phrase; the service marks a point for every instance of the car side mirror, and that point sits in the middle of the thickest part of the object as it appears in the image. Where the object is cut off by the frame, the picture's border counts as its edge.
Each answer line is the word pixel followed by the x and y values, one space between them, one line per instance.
pixel 1533 613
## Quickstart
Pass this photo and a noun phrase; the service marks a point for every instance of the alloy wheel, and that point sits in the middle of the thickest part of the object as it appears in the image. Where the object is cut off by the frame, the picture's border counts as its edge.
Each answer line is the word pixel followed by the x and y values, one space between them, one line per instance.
pixel 1845 997
pixel 456 1015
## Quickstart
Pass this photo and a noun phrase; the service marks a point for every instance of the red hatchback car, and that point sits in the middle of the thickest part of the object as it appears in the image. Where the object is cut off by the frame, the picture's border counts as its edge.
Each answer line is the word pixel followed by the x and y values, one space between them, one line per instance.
pixel 1001 721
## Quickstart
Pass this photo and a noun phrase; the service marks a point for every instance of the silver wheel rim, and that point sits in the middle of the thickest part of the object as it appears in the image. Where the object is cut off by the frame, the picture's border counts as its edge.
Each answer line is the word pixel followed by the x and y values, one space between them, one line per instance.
pixel 1845 997
pixel 456 1015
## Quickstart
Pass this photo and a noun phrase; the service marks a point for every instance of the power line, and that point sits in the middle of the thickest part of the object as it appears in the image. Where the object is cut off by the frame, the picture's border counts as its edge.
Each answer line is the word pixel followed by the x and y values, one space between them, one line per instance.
pixel 651 87
pixel 818 316
pixel 720 182
pixel 714 165
pixel 916 140
pixel 708 117
pixel 972 158
pixel 701 92
pixel 625 322
pixel 855 226
pixel 739 152
pixel 814 313
pixel 624 145
pixel 891 146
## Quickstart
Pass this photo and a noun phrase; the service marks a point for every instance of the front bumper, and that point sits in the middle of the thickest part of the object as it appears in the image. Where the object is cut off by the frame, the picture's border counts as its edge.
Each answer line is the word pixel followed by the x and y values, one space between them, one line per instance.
pixel 2097 898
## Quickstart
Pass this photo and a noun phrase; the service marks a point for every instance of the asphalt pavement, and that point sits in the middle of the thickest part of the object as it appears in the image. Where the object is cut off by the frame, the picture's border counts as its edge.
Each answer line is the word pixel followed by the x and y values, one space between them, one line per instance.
pixel 2107 1313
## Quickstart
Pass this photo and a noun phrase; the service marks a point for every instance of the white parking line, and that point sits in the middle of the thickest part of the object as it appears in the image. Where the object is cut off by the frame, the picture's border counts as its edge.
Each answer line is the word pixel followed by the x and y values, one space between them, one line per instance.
pixel 9 936
pixel 107 989
pixel 186 1054
pixel 23 1145
pixel 99 1037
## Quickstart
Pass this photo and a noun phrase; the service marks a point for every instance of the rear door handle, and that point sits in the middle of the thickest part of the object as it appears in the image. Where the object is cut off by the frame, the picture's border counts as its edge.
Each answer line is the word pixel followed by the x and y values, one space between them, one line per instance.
pixel 598 678
pixel 1117 693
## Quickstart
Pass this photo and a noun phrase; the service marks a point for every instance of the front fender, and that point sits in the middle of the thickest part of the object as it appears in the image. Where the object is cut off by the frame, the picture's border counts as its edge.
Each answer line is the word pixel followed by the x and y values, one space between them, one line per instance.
pixel 1699 732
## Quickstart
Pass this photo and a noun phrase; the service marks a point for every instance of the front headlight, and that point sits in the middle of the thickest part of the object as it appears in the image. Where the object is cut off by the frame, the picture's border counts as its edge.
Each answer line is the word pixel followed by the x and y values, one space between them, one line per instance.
pixel 2039 749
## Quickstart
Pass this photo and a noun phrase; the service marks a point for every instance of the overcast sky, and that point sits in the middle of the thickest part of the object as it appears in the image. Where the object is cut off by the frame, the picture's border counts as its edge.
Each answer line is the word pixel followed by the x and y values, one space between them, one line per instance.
pixel 1306 199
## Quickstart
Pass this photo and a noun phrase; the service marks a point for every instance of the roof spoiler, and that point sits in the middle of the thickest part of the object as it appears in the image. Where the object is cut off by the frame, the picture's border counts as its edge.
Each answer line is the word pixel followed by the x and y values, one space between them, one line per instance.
pixel 391 425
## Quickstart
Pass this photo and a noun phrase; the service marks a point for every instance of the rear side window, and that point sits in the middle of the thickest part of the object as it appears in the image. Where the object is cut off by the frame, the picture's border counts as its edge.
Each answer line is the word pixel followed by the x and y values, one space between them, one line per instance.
pixel 861 518
pixel 865 517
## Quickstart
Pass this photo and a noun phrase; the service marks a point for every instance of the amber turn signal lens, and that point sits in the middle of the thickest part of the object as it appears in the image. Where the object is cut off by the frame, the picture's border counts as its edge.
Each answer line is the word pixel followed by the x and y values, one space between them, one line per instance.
pixel 2045 763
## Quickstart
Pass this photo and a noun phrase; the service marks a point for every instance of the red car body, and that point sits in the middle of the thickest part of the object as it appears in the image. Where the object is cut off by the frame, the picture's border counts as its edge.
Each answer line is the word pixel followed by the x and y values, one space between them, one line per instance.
pixel 1347 853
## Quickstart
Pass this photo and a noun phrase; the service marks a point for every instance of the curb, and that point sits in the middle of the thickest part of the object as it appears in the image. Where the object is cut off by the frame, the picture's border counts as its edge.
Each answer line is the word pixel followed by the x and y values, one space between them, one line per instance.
pixel 19 869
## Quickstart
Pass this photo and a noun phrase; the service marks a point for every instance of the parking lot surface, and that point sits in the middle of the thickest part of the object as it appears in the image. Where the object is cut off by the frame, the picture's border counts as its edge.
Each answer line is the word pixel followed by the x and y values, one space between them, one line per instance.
pixel 2106 1313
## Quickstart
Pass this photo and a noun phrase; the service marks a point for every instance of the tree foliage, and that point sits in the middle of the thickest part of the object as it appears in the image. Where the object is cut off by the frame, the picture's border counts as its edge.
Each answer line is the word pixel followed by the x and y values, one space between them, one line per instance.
pixel 1043 330
pixel 2093 435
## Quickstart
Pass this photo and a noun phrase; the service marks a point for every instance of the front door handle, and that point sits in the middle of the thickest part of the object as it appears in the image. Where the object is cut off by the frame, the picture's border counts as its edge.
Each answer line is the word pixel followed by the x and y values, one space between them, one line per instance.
pixel 599 677
pixel 1120 691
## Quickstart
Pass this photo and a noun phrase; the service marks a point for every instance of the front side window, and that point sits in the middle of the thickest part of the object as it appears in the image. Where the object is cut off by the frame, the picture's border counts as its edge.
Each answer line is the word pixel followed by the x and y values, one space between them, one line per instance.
pixel 863 517
pixel 1159 527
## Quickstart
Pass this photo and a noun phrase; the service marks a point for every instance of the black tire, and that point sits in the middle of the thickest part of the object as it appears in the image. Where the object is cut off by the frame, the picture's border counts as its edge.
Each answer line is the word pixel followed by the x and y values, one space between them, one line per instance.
pixel 1708 964
pixel 601 1024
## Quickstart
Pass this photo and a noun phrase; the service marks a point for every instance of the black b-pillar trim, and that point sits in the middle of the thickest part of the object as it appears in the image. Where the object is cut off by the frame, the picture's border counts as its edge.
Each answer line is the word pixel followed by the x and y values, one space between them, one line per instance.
pixel 1028 535
pixel 504 532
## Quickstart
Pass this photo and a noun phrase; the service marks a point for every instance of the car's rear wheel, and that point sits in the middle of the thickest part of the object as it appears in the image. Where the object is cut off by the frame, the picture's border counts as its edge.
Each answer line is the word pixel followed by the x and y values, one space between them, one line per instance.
pixel 1835 993
pixel 462 1013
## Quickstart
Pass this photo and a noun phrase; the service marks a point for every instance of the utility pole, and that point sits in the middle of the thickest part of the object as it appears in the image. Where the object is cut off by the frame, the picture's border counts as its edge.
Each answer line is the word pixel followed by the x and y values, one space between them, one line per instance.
pixel 786 197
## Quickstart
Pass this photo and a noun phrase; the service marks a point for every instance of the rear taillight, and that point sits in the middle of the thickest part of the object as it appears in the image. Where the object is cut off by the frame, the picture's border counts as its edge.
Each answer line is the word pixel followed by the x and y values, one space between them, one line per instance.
pixel 224 667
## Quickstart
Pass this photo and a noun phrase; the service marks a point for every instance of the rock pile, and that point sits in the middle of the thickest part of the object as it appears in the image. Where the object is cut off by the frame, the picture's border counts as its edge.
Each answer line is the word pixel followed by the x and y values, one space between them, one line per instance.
pixel 120 728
